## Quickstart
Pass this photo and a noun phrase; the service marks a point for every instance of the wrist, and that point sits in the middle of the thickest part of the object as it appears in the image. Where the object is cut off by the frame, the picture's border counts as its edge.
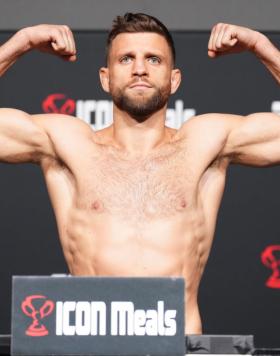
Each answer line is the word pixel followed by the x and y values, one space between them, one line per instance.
pixel 261 46
pixel 23 41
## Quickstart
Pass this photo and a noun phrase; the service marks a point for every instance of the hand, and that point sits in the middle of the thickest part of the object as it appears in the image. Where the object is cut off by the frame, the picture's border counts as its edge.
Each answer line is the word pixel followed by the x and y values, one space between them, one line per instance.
pixel 227 39
pixel 53 39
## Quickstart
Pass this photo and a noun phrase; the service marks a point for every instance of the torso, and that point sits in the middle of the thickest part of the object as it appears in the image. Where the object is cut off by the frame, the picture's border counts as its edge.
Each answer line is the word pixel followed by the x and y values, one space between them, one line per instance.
pixel 119 215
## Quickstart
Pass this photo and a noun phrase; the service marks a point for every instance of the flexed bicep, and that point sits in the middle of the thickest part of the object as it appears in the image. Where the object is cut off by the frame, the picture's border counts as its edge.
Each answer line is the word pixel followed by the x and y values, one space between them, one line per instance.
pixel 254 139
pixel 21 138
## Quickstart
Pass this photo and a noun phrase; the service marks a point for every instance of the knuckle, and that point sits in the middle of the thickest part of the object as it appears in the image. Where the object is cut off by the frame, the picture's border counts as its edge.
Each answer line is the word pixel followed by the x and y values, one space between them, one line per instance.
pixel 231 28
pixel 60 30
pixel 66 28
pixel 213 28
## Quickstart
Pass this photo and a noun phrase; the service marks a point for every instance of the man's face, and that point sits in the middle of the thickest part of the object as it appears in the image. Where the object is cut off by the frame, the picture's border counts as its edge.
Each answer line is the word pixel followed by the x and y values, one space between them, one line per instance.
pixel 140 73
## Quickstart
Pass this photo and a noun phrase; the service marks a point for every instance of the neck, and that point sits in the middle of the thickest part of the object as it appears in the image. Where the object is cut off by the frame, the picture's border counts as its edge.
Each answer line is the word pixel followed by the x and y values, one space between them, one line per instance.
pixel 139 137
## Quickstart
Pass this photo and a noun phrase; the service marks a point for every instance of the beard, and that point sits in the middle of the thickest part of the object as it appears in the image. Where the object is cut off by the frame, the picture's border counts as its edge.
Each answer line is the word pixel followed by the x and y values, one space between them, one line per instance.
pixel 140 105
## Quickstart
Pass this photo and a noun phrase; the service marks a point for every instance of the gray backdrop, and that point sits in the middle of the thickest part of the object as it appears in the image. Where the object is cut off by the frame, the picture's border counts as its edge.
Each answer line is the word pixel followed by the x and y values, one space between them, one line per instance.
pixel 176 14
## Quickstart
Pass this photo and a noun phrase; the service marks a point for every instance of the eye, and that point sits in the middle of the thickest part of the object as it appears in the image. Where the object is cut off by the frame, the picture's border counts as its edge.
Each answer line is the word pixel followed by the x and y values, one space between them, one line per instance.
pixel 125 59
pixel 154 60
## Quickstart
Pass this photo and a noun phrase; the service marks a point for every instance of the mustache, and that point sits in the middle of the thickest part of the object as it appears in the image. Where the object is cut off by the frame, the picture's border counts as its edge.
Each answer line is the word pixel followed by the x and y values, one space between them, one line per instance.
pixel 139 79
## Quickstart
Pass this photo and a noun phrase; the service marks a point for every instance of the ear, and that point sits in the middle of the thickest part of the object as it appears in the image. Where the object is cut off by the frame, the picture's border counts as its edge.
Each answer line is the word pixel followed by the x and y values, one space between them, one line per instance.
pixel 175 80
pixel 104 78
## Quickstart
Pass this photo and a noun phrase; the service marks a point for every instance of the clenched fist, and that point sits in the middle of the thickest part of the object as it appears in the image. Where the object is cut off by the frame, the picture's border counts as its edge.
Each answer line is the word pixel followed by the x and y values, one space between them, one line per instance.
pixel 54 39
pixel 227 39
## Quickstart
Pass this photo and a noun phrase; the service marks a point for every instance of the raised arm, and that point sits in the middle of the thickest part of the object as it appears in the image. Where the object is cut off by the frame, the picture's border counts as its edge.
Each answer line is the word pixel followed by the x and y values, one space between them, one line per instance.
pixel 22 138
pixel 228 39
pixel 252 139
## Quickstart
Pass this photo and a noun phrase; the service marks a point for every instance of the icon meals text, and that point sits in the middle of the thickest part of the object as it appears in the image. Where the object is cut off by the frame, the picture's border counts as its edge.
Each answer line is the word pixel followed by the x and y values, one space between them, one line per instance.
pixel 90 318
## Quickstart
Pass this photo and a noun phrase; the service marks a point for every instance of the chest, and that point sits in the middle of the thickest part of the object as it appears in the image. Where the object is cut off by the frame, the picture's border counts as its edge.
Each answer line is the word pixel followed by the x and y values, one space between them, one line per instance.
pixel 157 186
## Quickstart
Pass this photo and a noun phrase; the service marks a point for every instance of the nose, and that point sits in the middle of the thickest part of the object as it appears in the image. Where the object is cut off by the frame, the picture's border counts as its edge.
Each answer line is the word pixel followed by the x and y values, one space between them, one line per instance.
pixel 139 67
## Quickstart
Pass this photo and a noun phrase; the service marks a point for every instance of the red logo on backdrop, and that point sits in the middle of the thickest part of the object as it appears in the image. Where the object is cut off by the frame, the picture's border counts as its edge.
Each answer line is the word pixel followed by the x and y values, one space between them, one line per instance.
pixel 37 307
pixel 271 258
pixel 58 103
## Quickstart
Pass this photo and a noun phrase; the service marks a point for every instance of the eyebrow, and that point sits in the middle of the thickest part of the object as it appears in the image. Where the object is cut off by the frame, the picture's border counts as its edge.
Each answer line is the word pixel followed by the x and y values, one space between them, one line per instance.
pixel 147 54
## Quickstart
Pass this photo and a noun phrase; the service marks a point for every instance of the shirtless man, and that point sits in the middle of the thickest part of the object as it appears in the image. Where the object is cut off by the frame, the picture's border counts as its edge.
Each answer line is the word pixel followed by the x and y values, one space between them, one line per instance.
pixel 138 198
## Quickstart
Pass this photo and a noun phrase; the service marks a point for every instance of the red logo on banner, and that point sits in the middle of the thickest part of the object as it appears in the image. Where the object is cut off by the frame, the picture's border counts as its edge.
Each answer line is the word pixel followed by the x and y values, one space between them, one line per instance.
pixel 58 103
pixel 37 307
pixel 270 260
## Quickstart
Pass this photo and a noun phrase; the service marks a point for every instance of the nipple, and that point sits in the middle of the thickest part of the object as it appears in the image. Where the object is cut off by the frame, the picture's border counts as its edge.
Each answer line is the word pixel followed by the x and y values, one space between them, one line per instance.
pixel 96 206
pixel 183 203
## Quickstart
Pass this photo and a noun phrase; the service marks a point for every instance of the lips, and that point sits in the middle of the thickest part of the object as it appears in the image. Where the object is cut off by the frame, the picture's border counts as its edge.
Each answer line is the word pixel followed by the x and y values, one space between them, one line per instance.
pixel 140 85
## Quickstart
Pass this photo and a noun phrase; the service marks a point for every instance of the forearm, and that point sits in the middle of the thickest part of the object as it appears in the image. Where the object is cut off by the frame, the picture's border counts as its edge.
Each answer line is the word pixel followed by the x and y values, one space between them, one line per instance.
pixel 269 55
pixel 53 39
pixel 227 39
pixel 10 51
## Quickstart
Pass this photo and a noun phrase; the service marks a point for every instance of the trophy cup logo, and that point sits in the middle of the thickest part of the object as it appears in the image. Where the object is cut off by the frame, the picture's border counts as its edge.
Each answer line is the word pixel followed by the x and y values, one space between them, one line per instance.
pixel 37 307
pixel 58 103
pixel 271 258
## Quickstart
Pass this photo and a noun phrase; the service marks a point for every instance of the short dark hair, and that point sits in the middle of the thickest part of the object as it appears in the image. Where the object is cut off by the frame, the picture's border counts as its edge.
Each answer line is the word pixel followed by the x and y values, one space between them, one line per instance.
pixel 139 22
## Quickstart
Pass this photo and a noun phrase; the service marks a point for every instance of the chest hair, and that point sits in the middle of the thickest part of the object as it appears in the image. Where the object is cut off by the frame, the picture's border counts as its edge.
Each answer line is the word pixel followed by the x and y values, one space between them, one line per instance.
pixel 141 188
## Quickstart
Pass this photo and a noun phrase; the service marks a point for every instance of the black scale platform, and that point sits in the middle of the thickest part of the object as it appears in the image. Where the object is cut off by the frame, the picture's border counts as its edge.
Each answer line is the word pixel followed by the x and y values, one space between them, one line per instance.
pixel 198 344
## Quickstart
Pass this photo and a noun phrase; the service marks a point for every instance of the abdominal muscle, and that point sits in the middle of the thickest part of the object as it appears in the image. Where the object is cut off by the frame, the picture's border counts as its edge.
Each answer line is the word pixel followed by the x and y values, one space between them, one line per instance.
pixel 104 245
pixel 146 215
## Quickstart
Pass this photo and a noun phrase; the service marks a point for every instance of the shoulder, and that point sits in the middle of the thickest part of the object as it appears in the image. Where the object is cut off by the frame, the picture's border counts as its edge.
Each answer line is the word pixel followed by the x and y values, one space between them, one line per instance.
pixel 214 124
pixel 68 136
pixel 62 124
pixel 215 120
pixel 209 133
